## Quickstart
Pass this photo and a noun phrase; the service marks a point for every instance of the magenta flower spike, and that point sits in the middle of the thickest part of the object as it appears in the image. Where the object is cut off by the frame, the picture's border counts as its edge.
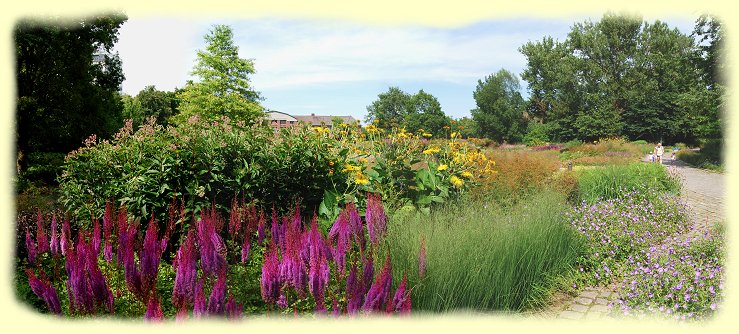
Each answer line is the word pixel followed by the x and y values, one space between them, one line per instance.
pixel 341 233
pixel 318 275
pixel 376 218
pixel 401 302
pixel 216 302
pixel 65 241
pixel 54 244
pixel 96 236
pixel 154 310
pixel 150 256
pixel 354 292
pixel 199 307
pixel 270 280
pixel 233 309
pixel 234 219
pixel 97 283
pixel 378 293
pixel 357 228
pixel 41 239
pixel 45 291
pixel 368 273
pixel 30 247
pixel 212 249
pixel 185 266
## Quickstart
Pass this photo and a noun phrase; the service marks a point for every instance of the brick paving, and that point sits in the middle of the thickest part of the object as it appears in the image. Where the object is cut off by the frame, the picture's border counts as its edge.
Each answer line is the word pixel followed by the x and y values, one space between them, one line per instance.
pixel 702 191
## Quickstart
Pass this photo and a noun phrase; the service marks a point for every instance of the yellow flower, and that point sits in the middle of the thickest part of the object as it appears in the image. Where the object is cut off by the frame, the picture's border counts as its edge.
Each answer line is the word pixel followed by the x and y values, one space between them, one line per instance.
pixel 350 168
pixel 431 151
pixel 426 134
pixel 442 167
pixel 466 174
pixel 456 182
pixel 360 179
pixel 363 160
pixel 454 134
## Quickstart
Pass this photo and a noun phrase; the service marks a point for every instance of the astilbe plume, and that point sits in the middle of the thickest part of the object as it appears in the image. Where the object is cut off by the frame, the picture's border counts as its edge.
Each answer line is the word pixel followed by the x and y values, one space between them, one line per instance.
pixel 275 228
pixel 335 309
pixel 80 288
pixel 252 221
pixel 199 307
pixel 122 223
pixel 401 302
pixel 212 249
pixel 261 231
pixel 354 291
pixel 30 247
pixel 233 309
pixel 41 238
pixel 126 241
pixel 216 302
pixel 270 281
pixel 379 292
pixel 97 283
pixel 96 236
pixel 108 221
pixel 376 218
pixel 341 233
pixel 368 273
pixel 292 267
pixel 65 241
pixel 44 290
pixel 318 275
pixel 154 310
pixel 55 248
pixel 185 267
pixel 150 256
pixel 234 219
pixel 357 228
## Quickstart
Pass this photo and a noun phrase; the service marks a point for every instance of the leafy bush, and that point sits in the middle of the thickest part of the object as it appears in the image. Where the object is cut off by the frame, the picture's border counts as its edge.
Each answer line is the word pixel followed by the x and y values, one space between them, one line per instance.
pixel 536 134
pixel 474 255
pixel 615 181
pixel 199 164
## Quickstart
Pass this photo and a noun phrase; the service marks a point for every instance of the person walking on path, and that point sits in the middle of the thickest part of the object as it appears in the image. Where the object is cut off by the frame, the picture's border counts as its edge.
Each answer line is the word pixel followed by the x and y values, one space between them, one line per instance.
pixel 659 150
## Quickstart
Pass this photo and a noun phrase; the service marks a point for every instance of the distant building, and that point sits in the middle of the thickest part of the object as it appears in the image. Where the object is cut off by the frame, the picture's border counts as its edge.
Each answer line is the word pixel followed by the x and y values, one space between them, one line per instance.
pixel 279 120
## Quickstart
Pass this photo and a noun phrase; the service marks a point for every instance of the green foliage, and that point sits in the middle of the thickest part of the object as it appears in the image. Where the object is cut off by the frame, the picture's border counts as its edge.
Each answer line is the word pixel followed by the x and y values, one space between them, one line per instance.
pixel 482 257
pixel 615 181
pixel 200 164
pixel 710 155
pixel 64 94
pixel 224 88
pixel 398 109
pixel 499 111
pixel 536 134
pixel 621 76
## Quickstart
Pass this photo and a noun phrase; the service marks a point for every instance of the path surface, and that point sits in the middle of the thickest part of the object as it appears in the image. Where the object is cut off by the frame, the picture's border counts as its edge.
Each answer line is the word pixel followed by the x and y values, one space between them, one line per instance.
pixel 704 194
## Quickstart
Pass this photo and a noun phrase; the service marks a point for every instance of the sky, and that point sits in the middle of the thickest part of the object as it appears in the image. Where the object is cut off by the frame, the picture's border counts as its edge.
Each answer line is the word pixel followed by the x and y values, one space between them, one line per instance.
pixel 334 67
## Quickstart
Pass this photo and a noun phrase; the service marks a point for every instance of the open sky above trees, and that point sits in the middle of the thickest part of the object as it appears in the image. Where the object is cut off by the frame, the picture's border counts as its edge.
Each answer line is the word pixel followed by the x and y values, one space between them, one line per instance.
pixel 336 67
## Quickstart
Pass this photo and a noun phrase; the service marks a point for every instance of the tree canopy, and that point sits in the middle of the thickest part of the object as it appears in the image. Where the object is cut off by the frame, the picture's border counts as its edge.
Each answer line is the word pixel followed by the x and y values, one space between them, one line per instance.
pixel 499 112
pixel 224 88
pixel 67 81
pixel 398 109
pixel 622 76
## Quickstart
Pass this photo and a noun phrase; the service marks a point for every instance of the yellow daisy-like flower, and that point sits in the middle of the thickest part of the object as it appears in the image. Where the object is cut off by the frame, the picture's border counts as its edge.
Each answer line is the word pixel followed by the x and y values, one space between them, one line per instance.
pixel 360 179
pixel 466 174
pixel 426 134
pixel 350 168
pixel 442 167
pixel 363 160
pixel 456 182
pixel 431 151
pixel 454 134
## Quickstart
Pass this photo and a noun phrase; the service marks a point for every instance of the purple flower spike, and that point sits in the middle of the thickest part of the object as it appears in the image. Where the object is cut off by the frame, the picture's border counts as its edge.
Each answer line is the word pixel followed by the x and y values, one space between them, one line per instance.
pixel 41 238
pixel 30 247
pixel 96 237
pixel 65 241
pixel 55 248
pixel 150 257
pixel 401 302
pixel 185 265
pixel 376 218
pixel 354 292
pixel 199 309
pixel 367 273
pixel 378 293
pixel 154 310
pixel 45 291
pixel 216 305
pixel 270 281
pixel 233 309
pixel 341 233
pixel 357 228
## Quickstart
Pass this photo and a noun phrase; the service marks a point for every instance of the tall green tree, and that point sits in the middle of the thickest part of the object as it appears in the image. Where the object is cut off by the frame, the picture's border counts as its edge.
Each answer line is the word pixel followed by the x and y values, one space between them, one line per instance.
pixel 390 109
pixel 500 107
pixel 159 104
pixel 67 82
pixel 425 113
pixel 224 87
pixel 708 99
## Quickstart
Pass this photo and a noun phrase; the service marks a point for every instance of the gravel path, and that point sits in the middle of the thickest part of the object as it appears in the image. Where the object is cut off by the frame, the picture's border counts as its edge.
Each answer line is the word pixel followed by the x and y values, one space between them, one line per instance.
pixel 704 194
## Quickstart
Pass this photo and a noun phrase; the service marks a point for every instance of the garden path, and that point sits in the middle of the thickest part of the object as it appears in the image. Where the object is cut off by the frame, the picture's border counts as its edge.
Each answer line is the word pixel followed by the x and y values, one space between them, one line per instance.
pixel 704 194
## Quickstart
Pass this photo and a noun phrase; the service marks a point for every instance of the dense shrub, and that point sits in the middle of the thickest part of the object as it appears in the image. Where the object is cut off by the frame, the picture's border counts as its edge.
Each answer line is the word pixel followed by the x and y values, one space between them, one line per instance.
pixel 199 164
